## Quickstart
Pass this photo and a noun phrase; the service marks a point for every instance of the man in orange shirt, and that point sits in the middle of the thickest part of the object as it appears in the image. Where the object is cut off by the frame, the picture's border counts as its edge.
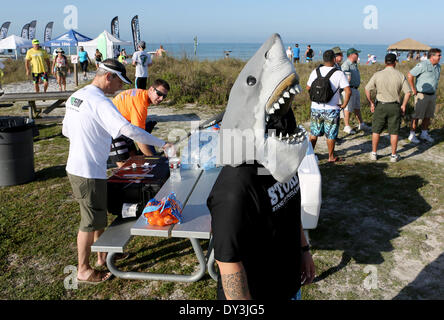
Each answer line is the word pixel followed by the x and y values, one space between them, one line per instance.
pixel 133 105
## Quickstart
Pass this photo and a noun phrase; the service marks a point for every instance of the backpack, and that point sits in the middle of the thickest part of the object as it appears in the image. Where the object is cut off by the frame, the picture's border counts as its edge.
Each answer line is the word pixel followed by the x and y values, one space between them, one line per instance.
pixel 321 90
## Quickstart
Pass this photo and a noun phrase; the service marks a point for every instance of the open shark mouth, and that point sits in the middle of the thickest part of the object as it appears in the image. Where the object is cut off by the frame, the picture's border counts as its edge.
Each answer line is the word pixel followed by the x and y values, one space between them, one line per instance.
pixel 259 124
pixel 276 110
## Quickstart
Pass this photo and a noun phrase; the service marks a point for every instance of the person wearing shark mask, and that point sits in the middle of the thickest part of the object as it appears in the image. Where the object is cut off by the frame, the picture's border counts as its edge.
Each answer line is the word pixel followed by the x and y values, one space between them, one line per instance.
pixel 255 203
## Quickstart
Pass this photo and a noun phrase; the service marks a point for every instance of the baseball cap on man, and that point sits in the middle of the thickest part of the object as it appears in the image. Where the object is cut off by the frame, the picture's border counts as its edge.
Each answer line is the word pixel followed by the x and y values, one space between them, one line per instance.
pixel 351 51
pixel 118 69
pixel 142 44
pixel 337 50
pixel 35 41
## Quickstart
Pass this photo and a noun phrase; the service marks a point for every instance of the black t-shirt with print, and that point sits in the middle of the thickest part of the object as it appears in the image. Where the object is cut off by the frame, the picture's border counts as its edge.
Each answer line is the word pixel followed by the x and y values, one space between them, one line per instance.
pixel 256 221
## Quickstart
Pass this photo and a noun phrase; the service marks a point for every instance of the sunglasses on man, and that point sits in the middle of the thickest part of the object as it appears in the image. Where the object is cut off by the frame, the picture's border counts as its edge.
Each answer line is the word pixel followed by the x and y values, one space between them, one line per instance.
pixel 160 94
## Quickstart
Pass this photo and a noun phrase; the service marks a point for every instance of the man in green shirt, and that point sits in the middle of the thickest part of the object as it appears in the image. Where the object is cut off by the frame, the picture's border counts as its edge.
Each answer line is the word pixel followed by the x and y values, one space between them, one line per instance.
pixel 427 77
pixel 350 68
pixel 388 84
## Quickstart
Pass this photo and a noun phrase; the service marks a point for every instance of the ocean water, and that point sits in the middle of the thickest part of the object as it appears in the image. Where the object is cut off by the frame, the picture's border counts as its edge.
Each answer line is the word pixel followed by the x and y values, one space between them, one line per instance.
pixel 244 51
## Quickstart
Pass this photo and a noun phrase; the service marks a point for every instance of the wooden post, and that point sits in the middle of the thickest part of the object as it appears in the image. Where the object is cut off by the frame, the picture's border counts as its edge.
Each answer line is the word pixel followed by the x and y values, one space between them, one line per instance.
pixel 76 76
pixel 74 61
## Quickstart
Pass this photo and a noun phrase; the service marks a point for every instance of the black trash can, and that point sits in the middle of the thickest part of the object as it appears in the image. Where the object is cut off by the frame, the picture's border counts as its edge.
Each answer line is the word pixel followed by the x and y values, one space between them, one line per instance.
pixel 16 150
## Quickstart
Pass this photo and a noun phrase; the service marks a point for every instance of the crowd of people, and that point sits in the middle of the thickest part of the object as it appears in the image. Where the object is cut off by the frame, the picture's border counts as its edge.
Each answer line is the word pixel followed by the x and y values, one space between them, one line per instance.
pixel 99 129
pixel 38 64
pixel 344 81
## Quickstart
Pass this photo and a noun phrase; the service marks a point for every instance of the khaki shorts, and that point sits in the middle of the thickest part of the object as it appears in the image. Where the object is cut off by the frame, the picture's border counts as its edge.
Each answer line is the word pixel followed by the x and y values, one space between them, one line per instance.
pixel 424 106
pixel 355 100
pixel 91 196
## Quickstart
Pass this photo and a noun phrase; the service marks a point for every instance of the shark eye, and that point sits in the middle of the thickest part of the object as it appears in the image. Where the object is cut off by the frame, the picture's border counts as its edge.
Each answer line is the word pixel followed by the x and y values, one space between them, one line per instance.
pixel 251 81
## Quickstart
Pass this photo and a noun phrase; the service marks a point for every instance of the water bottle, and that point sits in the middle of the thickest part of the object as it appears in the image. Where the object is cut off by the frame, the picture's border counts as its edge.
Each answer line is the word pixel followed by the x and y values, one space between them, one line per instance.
pixel 174 163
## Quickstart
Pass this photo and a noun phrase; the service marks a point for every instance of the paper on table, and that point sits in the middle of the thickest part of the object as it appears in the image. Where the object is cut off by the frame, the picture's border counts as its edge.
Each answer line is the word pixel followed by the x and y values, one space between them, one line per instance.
pixel 129 210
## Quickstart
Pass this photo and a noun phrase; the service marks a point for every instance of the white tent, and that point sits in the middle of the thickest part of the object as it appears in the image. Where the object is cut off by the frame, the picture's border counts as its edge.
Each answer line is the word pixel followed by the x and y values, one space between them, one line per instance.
pixel 105 42
pixel 14 42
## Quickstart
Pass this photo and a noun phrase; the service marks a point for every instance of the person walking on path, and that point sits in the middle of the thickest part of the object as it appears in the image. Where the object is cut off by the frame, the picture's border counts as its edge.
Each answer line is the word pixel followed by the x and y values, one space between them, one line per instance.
pixel 84 59
pixel 427 75
pixel 91 121
pixel 325 115
pixel 98 58
pixel 141 60
pixel 387 110
pixel 38 59
pixel 61 68
pixel 350 68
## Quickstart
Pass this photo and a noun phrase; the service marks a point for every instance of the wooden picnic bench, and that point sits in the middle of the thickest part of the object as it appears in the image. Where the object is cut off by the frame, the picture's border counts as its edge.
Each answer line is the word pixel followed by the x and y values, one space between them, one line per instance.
pixel 33 97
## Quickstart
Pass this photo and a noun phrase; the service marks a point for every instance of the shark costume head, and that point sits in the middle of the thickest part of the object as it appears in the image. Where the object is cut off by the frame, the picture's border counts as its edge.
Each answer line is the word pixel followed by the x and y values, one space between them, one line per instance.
pixel 259 116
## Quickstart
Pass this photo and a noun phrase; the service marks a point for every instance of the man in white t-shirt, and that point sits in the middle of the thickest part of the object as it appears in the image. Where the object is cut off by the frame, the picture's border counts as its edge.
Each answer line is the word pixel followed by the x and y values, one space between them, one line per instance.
pixel 141 60
pixel 325 116
pixel 91 122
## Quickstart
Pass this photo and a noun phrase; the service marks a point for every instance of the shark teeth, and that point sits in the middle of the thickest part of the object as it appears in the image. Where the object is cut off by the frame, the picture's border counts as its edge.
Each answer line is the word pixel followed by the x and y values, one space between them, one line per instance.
pixel 297 88
pixel 283 99
pixel 295 138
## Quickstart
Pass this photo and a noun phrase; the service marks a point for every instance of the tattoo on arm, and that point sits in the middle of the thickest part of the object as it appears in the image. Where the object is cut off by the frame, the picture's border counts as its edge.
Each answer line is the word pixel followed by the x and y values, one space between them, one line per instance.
pixel 235 285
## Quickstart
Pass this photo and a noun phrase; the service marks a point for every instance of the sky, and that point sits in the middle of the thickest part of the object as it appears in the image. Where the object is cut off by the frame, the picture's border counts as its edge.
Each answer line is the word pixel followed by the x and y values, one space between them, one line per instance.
pixel 240 21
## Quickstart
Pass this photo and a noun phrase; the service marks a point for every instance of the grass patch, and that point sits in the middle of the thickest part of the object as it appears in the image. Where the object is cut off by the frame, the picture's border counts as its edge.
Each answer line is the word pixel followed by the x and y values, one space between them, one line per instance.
pixel 380 214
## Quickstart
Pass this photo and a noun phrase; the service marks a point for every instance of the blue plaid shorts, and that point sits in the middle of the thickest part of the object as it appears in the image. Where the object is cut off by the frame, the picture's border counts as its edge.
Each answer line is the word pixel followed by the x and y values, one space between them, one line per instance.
pixel 325 122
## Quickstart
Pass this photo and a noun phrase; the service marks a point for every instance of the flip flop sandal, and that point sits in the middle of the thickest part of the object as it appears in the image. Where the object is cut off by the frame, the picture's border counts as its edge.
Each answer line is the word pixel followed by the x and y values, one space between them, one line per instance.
pixel 96 277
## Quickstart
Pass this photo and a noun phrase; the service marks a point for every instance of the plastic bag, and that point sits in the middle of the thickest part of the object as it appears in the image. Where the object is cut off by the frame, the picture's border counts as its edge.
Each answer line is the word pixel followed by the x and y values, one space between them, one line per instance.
pixel 165 212
pixel 201 151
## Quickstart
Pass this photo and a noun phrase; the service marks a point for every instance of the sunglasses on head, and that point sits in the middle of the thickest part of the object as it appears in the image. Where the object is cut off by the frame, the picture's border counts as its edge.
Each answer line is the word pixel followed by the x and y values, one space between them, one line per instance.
pixel 160 94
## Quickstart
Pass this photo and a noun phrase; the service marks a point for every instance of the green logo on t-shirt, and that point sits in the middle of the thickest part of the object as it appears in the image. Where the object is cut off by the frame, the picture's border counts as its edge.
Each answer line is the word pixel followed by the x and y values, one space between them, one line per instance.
pixel 76 102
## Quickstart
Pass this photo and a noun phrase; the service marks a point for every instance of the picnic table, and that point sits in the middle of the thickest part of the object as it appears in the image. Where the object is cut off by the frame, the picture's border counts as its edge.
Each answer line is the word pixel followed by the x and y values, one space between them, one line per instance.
pixel 33 97
pixel 192 191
